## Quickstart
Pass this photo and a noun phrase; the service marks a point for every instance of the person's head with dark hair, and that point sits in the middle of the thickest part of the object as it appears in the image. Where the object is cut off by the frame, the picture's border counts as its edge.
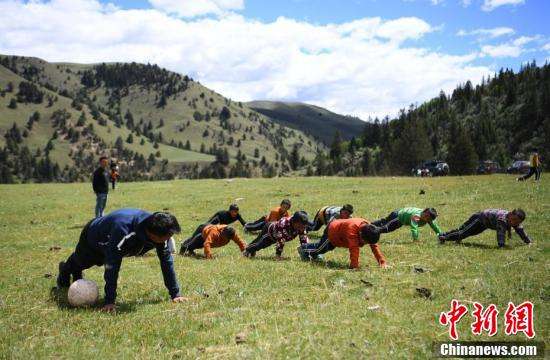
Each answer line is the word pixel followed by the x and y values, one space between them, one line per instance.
pixel 370 234
pixel 516 217
pixel 160 226
pixel 285 204
pixel 346 211
pixel 234 210
pixel 428 215
pixel 299 221
pixel 103 161
pixel 535 150
pixel 228 233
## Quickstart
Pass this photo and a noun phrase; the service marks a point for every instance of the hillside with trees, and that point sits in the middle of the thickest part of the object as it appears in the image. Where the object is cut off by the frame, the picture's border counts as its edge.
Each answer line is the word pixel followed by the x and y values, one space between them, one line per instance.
pixel 313 120
pixel 502 119
pixel 56 119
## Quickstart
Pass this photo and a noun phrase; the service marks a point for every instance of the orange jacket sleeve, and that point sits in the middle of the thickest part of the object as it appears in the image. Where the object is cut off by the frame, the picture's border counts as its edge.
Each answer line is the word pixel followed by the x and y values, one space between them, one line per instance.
pixel 237 239
pixel 378 254
pixel 354 257
pixel 207 244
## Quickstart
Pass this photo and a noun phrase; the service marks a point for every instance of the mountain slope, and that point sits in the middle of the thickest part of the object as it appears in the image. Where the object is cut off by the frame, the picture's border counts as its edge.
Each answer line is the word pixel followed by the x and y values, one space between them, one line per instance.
pixel 168 116
pixel 316 121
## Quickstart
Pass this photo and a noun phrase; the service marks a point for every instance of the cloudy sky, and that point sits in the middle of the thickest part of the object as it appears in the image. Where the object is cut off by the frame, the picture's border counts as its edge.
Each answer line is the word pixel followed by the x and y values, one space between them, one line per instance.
pixel 357 57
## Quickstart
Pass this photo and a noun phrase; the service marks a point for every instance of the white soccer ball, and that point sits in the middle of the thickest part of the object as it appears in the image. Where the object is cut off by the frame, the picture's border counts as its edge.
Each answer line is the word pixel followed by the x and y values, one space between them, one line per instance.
pixel 83 293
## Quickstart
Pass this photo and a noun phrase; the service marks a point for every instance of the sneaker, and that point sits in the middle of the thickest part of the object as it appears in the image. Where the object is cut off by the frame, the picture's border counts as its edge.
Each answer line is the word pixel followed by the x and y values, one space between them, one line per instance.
pixel 302 253
pixel 249 254
pixel 442 239
pixel 63 279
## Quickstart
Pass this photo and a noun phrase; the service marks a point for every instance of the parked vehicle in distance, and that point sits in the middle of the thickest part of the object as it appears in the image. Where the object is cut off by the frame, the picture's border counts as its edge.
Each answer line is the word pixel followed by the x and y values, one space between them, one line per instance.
pixel 518 167
pixel 488 167
pixel 431 168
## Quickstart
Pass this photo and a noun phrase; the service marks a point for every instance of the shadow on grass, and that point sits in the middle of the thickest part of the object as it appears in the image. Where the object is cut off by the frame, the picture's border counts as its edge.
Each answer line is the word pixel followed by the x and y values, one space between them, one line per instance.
pixel 480 246
pixel 269 258
pixel 330 264
pixel 74 227
pixel 59 296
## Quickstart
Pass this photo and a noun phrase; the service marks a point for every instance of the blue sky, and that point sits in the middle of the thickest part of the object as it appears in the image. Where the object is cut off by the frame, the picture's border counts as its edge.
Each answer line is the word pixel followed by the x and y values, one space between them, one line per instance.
pixel 359 57
pixel 529 18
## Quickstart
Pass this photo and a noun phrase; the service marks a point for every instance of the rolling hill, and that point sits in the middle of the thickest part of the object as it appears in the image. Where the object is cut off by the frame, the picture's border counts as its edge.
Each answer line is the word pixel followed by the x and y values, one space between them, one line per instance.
pixel 157 123
pixel 313 120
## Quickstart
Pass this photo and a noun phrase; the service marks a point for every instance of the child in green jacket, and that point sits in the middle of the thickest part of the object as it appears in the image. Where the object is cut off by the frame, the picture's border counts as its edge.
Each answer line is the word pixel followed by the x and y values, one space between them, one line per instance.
pixel 411 216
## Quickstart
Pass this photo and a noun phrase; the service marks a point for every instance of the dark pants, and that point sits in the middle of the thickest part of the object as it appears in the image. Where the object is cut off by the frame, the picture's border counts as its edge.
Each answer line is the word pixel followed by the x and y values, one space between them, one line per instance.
pixel 256 225
pixel 532 171
pixel 192 244
pixel 261 242
pixel 84 257
pixel 113 182
pixel 191 239
pixel 471 227
pixel 321 247
pixel 388 224
pixel 538 172
pixel 316 224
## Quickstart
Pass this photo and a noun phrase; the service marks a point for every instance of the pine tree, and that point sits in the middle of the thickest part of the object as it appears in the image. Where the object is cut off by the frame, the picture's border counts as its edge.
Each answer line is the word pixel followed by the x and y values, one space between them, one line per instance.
pixel 462 158
pixel 294 158
pixel 12 104
pixel 130 139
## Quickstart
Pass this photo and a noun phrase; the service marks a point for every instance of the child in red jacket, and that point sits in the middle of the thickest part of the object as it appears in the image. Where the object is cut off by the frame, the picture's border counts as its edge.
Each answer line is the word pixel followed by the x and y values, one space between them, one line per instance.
pixel 347 233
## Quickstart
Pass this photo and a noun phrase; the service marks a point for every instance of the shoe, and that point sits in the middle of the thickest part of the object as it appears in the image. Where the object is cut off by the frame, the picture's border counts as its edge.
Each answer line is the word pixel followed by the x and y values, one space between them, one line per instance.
pixel 249 254
pixel 302 254
pixel 442 239
pixel 63 279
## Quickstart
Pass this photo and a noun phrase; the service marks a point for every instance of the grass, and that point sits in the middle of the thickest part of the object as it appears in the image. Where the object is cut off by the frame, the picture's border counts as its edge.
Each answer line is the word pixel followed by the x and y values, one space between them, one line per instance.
pixel 284 309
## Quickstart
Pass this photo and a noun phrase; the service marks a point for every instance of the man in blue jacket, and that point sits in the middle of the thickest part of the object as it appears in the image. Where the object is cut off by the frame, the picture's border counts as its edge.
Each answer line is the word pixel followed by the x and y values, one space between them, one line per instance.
pixel 125 232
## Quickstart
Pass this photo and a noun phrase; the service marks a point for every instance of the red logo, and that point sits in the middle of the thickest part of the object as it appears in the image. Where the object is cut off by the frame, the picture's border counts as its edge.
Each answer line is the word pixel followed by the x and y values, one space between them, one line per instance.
pixel 452 317
pixel 485 320
pixel 517 319
pixel 520 319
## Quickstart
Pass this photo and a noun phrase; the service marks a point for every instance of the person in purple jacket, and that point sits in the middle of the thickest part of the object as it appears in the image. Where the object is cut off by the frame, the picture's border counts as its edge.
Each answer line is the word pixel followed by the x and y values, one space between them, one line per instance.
pixel 495 219
pixel 280 232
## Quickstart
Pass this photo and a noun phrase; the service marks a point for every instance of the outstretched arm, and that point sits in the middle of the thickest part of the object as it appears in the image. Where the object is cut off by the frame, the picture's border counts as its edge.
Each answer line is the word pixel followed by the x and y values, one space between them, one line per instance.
pixel 378 254
pixel 240 243
pixel 168 272
pixel 435 227
pixel 519 230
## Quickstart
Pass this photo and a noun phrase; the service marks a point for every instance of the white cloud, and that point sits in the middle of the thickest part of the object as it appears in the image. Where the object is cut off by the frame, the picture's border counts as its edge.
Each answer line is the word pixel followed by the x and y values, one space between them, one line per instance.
pixel 512 48
pixel 360 68
pixel 466 3
pixel 490 5
pixel 484 34
pixel 192 8
pixel 546 47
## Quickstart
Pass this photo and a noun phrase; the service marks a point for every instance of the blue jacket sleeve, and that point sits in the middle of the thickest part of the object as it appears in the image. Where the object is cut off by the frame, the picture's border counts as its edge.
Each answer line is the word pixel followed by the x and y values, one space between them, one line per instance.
pixel 168 272
pixel 113 260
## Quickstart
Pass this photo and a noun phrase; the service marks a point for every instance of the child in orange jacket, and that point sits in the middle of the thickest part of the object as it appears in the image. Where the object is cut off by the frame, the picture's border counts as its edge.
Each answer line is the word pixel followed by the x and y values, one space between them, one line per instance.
pixel 275 214
pixel 212 236
pixel 348 233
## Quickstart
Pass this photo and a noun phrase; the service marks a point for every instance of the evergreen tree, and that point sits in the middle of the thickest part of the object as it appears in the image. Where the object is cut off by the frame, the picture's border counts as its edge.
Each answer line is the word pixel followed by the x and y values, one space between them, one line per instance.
pixel 130 139
pixel 294 158
pixel 462 158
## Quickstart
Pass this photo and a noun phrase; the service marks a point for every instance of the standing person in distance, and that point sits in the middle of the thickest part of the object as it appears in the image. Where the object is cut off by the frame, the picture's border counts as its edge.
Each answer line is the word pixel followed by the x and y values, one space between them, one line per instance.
pixel 100 184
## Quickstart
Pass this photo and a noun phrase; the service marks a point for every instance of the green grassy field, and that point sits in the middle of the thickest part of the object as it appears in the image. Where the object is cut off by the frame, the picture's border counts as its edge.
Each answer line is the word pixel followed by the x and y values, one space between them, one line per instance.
pixel 283 309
